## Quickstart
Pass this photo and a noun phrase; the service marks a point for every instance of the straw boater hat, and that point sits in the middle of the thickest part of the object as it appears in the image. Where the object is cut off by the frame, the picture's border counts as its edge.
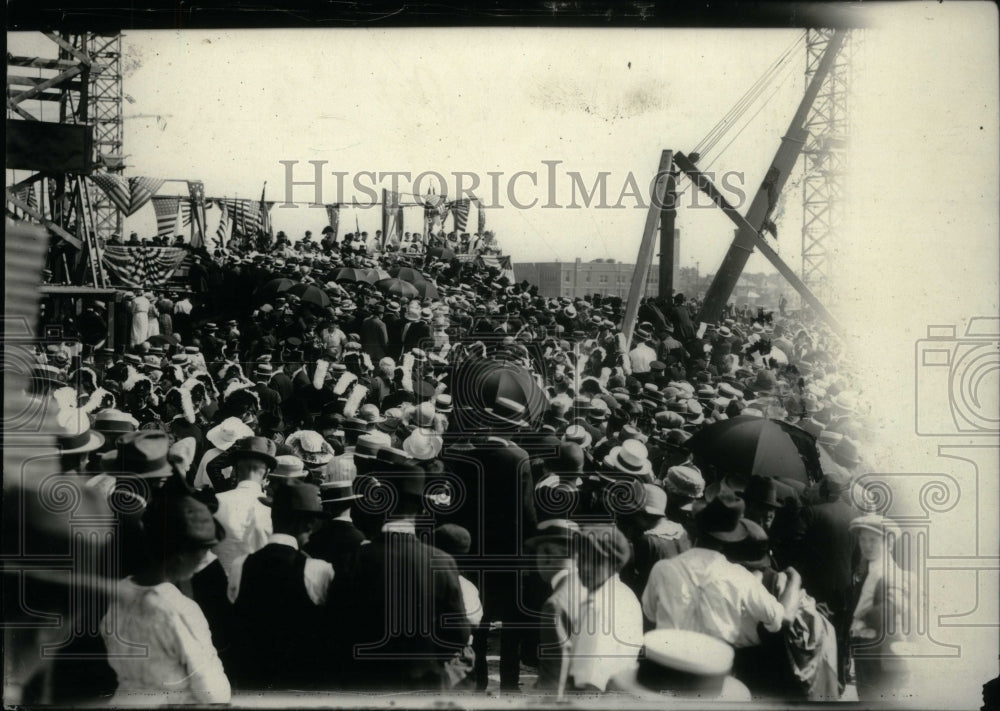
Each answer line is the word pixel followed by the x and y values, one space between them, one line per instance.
pixel 631 457
pixel 685 664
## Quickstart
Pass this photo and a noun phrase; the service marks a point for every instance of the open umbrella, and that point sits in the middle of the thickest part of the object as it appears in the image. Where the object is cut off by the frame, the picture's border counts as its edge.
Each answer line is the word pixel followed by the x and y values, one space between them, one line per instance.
pixel 374 274
pixel 409 274
pixel 162 340
pixel 311 294
pixel 747 445
pixel 275 287
pixel 350 274
pixel 397 287
pixel 483 380
pixel 426 290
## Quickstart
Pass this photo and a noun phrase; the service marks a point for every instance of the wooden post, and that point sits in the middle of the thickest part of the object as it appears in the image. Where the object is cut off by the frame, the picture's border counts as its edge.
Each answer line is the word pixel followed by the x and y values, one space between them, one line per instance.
pixel 647 245
pixel 668 216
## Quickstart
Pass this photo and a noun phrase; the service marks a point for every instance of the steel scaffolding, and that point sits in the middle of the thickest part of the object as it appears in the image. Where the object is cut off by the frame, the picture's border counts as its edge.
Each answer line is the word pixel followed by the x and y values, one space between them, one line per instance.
pixel 105 107
pixel 824 164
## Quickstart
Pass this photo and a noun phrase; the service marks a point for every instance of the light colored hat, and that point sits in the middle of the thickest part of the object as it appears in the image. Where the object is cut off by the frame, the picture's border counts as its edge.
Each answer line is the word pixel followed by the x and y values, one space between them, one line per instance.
pixel 578 435
pixel 631 457
pixel 684 480
pixel 225 434
pixel 289 467
pixel 422 445
pixel 876 524
pixel 310 447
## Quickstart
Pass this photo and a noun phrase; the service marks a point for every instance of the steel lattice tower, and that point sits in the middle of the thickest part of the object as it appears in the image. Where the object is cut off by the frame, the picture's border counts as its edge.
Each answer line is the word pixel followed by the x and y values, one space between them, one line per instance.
pixel 825 164
pixel 105 113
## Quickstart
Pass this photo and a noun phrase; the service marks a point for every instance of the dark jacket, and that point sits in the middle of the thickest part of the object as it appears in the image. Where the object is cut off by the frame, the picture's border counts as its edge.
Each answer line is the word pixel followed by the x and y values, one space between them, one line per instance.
pixel 374 338
pixel 336 542
pixel 392 640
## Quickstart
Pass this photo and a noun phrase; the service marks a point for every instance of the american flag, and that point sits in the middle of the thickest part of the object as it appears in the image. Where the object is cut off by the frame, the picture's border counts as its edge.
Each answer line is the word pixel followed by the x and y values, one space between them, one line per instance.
pixel 223 229
pixel 27 195
pixel 196 207
pixel 245 216
pixel 435 210
pixel 142 266
pixel 482 216
pixel 460 213
pixel 128 194
pixel 166 214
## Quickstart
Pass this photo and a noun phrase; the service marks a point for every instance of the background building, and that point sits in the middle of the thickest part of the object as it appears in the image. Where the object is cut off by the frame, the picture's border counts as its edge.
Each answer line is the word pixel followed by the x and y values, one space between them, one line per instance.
pixel 599 276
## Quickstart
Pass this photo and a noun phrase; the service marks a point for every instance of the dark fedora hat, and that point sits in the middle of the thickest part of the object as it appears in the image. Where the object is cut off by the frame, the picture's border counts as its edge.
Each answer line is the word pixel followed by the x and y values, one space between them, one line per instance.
pixel 296 497
pixel 143 454
pixel 337 492
pixel 254 448
pixel 722 519
pixel 176 521
pixel 761 490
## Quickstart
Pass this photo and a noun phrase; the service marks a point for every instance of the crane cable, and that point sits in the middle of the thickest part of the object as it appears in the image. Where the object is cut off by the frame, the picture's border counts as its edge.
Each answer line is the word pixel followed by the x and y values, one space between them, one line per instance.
pixel 743 104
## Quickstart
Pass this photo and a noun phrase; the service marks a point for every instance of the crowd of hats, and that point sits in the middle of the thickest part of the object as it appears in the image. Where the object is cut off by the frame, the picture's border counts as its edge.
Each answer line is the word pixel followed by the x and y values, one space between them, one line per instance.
pixel 606 420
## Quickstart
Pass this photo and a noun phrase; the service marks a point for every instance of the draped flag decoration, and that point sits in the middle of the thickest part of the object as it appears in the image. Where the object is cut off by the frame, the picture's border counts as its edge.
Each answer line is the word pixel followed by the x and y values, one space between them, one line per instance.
pixel 266 236
pixel 435 210
pixel 195 207
pixel 392 219
pixel 244 215
pixel 222 231
pixel 482 216
pixel 333 218
pixel 460 213
pixel 128 194
pixel 142 266
pixel 27 195
pixel 166 214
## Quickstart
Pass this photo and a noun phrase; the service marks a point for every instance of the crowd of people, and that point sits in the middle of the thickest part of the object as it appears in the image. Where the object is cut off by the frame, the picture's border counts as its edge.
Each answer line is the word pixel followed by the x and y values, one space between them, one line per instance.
pixel 325 480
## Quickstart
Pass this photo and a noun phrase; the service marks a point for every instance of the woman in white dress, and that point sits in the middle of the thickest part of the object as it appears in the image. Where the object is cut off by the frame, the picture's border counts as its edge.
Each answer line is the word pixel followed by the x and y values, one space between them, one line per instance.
pixel 140 318
pixel 154 317
pixel 158 640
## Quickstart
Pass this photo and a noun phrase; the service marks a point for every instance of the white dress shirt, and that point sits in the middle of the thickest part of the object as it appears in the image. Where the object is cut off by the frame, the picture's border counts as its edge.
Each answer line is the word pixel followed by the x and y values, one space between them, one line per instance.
pixel 318 573
pixel 247 522
pixel 609 635
pixel 641 357
pixel 700 590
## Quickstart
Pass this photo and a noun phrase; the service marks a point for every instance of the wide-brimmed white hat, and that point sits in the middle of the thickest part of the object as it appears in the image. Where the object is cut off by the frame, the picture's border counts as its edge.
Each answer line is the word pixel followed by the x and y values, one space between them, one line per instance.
pixel 225 434
pixel 423 445
pixel 631 457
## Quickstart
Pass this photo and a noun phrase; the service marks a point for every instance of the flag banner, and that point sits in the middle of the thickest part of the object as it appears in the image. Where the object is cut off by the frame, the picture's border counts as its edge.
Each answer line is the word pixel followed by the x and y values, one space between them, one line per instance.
pixel 127 194
pixel 223 229
pixel 244 215
pixel 144 266
pixel 185 213
pixel 436 208
pixel 481 216
pixel 392 219
pixel 460 213
pixel 27 195
pixel 166 214
pixel 333 218
pixel 196 209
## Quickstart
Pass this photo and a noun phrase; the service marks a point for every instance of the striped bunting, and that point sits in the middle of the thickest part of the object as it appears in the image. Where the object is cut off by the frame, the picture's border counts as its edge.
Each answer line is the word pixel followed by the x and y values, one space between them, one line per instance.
pixel 223 229
pixel 166 214
pixel 482 216
pixel 142 266
pixel 128 195
pixel 460 213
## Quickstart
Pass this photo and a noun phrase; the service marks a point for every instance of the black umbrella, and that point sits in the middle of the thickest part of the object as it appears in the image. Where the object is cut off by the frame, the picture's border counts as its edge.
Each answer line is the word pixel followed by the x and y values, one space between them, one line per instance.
pixel 747 445
pixel 480 381
pixel 409 274
pixel 275 287
pixel 310 294
pixel 397 287
pixel 351 274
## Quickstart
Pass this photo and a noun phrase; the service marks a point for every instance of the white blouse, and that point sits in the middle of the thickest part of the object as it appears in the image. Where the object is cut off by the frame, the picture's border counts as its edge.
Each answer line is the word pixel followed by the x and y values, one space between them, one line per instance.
pixel 160 647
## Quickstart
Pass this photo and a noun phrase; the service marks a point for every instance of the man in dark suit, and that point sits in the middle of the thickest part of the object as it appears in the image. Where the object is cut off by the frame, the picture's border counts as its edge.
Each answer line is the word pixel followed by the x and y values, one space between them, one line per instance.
pixel 499 512
pixel 398 612
pixel 683 328
pixel 415 331
pixel 339 539
pixel 278 593
pixel 374 335
pixel 270 400
pixel 819 544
